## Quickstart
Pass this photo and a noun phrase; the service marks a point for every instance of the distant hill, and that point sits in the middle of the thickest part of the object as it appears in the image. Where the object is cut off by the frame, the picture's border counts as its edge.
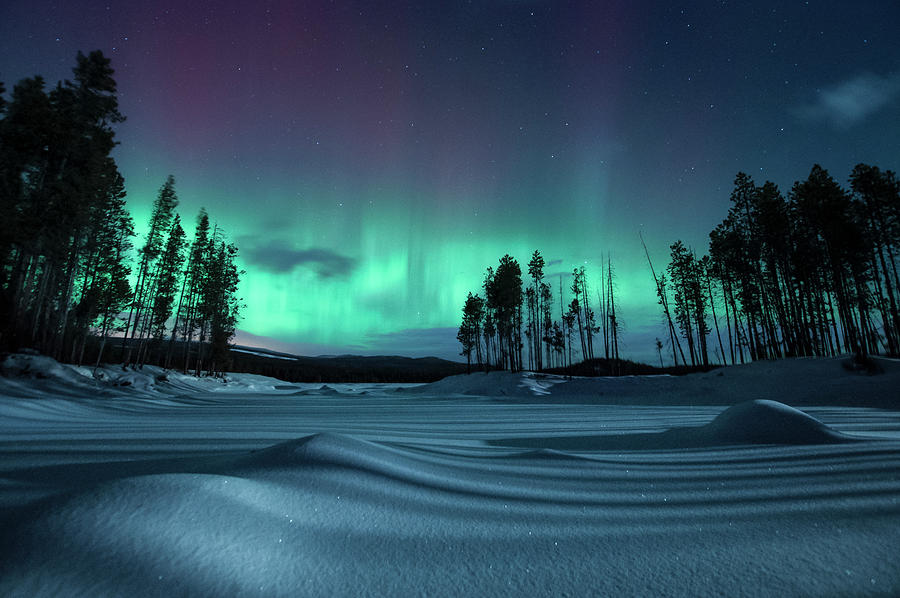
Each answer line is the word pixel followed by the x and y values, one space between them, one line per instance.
pixel 341 368
pixel 355 368
pixel 623 367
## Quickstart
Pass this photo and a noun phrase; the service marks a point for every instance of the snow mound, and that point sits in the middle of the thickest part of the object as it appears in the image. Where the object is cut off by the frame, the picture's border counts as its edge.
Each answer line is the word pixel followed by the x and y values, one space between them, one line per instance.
pixel 145 381
pixel 364 460
pixel 338 451
pixel 78 380
pixel 758 422
pixel 37 366
pixel 769 422
pixel 493 384
pixel 323 390
pixel 326 449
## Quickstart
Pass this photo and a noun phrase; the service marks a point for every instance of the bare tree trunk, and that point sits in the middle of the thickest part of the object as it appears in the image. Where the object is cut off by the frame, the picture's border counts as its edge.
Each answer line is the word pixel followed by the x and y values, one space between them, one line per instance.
pixel 712 305
pixel 673 337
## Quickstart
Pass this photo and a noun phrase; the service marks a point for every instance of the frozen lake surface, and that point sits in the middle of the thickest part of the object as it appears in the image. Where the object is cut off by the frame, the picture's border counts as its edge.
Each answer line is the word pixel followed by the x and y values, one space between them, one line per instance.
pixel 505 484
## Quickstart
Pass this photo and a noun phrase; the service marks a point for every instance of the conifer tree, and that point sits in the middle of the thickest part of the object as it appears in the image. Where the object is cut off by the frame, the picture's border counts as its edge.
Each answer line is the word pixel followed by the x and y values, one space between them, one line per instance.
pixel 469 334
pixel 104 288
pixel 531 325
pixel 170 263
pixel 504 297
pixel 558 343
pixel 56 182
pixel 65 239
pixel 115 292
pixel 588 317
pixel 536 312
pixel 490 328
pixel 160 221
pixel 546 307
pixel 690 301
pixel 825 208
pixel 575 308
pixel 227 306
pixel 614 323
pixel 186 312
pixel 879 193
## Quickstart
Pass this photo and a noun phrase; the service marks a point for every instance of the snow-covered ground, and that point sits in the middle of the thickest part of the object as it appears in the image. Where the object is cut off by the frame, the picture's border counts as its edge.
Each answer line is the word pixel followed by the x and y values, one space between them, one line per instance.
pixel 153 483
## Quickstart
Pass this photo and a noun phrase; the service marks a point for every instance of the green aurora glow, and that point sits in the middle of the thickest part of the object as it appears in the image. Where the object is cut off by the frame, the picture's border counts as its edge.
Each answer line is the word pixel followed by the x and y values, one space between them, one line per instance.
pixel 412 268
pixel 371 159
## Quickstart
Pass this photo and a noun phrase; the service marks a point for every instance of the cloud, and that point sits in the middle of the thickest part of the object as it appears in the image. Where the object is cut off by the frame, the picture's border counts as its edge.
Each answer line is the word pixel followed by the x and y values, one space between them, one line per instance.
pixel 851 101
pixel 278 256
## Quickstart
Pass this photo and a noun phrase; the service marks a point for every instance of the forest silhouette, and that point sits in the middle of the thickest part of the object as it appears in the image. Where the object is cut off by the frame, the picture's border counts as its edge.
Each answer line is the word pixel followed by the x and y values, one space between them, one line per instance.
pixel 810 274
pixel 66 249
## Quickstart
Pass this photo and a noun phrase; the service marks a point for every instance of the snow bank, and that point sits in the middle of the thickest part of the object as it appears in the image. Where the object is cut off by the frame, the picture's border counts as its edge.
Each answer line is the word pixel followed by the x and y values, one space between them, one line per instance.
pixel 493 384
pixel 37 366
pixel 112 380
pixel 795 381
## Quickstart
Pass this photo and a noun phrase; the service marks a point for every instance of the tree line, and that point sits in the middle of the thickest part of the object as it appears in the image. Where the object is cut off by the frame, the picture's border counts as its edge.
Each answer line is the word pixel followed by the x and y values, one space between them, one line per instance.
pixel 810 274
pixel 512 325
pixel 67 269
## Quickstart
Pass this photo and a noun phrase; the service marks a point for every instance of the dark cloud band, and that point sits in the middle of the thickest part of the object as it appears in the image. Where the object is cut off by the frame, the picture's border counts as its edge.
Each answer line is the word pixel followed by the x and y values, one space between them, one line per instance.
pixel 278 256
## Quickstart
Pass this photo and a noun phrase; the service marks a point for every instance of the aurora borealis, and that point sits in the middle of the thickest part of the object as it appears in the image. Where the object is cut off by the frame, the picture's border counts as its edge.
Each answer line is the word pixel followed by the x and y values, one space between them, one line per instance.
pixel 370 159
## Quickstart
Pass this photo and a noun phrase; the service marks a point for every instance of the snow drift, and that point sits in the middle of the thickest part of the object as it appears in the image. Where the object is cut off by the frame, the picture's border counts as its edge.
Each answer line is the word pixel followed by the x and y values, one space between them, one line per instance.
pixel 753 422
pixel 769 422
pixel 804 381
pixel 245 488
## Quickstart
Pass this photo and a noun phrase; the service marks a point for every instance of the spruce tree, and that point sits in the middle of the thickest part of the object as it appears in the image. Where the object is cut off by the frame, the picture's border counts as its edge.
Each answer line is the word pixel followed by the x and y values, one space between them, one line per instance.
pixel 160 221
pixel 56 181
pixel 220 304
pixel 505 295
pixel 470 329
pixel 170 263
pixel 575 308
pixel 879 194
pixel 536 311
pixel 186 312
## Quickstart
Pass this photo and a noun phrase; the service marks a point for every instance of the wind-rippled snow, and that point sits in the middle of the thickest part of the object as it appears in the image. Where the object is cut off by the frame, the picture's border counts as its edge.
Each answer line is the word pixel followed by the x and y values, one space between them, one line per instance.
pixel 482 485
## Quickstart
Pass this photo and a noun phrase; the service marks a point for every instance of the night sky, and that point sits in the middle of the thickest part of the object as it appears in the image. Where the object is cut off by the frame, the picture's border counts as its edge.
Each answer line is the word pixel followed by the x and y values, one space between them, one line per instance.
pixel 370 159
